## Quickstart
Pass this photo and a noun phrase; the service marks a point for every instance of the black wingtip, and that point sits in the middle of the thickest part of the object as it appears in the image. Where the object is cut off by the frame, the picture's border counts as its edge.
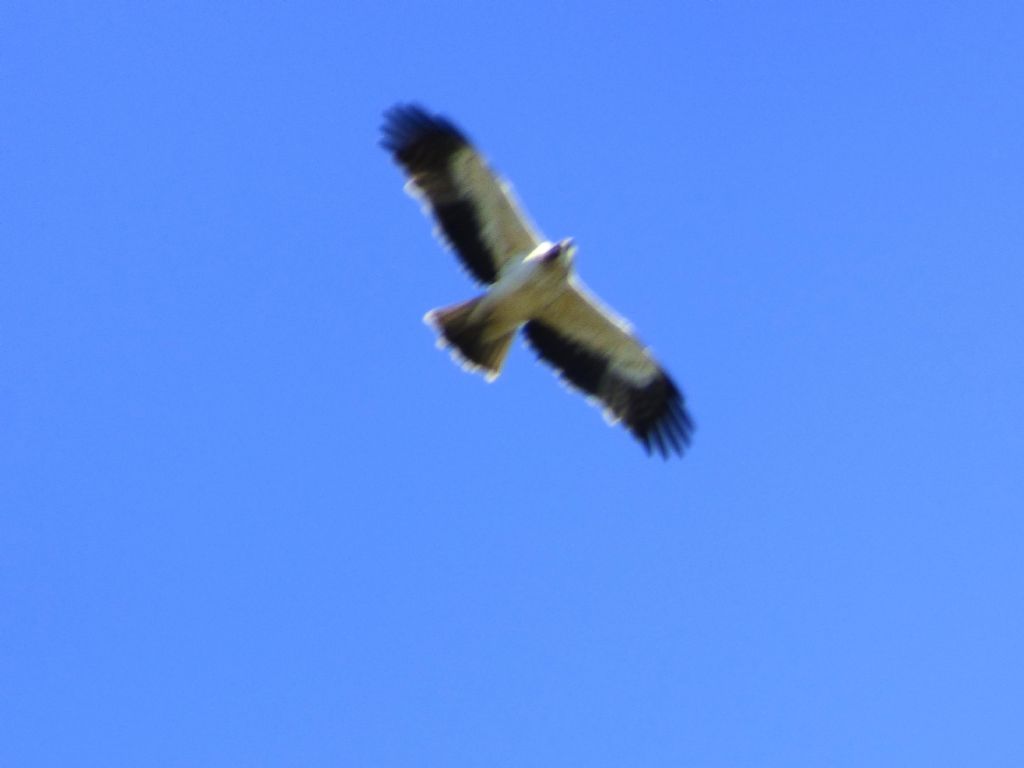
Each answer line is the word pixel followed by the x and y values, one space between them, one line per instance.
pixel 669 430
pixel 418 138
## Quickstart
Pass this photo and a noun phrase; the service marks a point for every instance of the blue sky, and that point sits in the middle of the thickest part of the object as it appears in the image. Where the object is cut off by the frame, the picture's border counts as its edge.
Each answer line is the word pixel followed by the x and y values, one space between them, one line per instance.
pixel 251 516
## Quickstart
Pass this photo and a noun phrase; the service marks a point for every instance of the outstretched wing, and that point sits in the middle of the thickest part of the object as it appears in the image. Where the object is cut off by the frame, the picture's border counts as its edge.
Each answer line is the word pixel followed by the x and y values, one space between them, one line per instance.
pixel 596 352
pixel 474 208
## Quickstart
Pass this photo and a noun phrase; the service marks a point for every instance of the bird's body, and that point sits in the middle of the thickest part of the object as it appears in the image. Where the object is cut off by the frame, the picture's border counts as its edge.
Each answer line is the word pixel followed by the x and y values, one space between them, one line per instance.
pixel 531 285
pixel 524 288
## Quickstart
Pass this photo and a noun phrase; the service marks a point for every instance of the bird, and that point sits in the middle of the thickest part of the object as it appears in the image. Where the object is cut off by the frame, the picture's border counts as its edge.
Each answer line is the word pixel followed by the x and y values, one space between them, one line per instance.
pixel 531 284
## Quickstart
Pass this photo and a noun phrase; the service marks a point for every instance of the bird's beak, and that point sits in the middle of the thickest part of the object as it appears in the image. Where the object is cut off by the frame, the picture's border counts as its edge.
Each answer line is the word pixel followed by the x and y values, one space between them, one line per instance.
pixel 568 248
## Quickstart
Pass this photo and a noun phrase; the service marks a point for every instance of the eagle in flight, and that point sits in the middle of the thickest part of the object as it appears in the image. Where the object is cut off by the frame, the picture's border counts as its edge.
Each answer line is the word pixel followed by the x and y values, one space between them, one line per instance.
pixel 531 284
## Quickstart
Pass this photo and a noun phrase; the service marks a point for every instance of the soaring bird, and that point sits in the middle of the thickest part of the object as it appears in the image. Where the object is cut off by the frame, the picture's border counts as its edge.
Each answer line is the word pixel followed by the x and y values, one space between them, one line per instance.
pixel 531 284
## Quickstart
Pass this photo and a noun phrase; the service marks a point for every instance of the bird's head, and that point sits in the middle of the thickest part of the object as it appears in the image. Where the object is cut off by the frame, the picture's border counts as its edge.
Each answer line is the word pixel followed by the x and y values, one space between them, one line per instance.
pixel 562 251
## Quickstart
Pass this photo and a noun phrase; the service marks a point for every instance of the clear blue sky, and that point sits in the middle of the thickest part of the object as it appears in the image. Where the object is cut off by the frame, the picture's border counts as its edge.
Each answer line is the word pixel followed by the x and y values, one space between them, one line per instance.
pixel 251 516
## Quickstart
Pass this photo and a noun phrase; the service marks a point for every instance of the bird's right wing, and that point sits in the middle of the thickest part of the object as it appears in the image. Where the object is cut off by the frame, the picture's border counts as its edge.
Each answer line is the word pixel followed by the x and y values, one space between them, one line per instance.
pixel 474 208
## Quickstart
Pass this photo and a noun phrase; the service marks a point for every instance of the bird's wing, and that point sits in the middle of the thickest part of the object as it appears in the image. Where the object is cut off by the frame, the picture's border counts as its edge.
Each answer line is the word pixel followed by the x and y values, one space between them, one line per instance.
pixel 474 208
pixel 596 352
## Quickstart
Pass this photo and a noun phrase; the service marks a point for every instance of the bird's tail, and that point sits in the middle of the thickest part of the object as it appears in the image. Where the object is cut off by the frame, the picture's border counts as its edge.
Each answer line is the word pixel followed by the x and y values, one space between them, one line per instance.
pixel 476 343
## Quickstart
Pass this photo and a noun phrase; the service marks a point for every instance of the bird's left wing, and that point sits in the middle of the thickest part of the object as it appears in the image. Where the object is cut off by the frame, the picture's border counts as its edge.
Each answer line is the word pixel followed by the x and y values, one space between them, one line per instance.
pixel 596 352
pixel 474 208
